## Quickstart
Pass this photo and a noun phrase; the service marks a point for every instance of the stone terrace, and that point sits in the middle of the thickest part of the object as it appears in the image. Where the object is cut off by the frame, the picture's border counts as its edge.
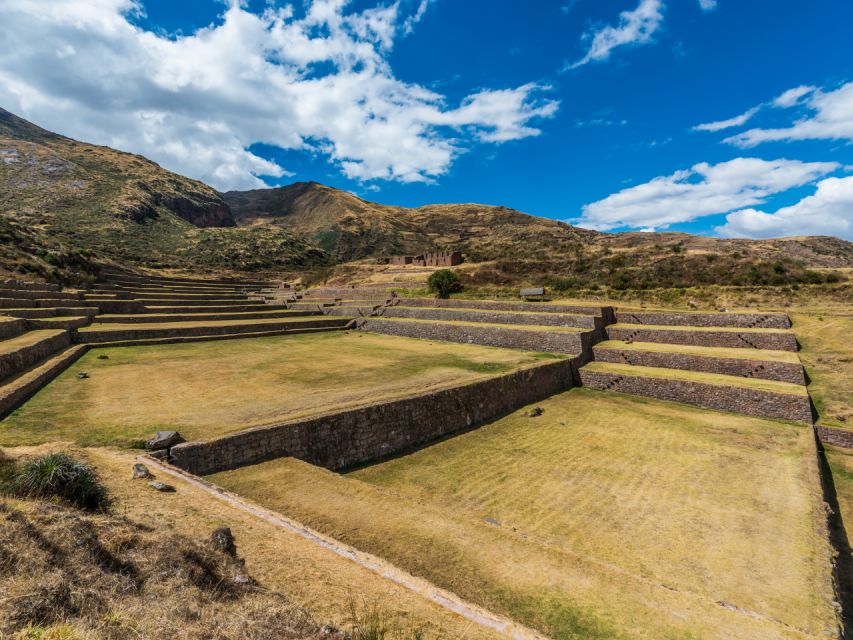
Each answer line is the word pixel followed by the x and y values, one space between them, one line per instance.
pixel 745 363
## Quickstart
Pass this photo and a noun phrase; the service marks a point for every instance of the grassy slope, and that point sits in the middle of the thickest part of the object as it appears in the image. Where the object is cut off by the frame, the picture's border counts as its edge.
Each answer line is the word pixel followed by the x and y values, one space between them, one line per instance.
pixel 606 517
pixel 210 388
pixel 314 578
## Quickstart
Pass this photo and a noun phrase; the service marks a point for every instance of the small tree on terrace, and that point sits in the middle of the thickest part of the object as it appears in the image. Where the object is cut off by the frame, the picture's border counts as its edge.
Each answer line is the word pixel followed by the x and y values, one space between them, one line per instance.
pixel 443 282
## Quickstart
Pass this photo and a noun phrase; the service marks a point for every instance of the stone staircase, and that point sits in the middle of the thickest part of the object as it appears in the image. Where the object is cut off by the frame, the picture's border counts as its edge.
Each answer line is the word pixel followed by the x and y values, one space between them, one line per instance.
pixel 739 362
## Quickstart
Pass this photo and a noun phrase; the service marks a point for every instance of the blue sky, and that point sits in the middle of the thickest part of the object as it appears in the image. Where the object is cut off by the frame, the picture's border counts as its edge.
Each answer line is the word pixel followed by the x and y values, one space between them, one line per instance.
pixel 579 110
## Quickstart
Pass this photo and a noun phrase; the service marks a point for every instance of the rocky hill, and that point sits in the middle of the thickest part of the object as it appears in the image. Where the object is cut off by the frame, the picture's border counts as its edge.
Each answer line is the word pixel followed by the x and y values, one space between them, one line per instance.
pixel 67 206
pixel 517 247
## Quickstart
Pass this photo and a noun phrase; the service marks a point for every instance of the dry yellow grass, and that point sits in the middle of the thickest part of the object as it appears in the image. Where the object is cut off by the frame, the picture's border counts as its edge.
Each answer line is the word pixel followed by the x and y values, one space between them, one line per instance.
pixel 312 577
pixel 606 517
pixel 827 354
pixel 210 388
pixel 708 352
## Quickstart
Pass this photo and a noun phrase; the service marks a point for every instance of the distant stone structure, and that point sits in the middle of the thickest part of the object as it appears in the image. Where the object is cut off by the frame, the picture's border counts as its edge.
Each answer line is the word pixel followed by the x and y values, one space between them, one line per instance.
pixel 435 259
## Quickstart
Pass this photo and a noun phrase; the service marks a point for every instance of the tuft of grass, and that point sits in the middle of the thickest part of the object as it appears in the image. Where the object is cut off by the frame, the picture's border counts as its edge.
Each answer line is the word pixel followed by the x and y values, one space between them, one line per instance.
pixel 60 475
pixel 371 621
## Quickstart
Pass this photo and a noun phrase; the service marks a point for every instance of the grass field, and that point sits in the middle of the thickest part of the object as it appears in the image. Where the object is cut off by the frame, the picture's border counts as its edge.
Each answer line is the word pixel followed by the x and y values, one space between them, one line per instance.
pixel 606 517
pixel 708 352
pixel 827 354
pixel 206 389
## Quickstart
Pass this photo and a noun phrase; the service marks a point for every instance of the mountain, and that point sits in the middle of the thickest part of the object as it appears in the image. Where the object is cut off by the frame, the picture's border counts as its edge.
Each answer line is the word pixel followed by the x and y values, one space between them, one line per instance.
pixel 517 247
pixel 68 206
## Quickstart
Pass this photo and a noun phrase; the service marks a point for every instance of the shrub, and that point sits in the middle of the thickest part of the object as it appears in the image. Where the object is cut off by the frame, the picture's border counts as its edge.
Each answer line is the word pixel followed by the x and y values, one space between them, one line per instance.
pixel 60 475
pixel 443 282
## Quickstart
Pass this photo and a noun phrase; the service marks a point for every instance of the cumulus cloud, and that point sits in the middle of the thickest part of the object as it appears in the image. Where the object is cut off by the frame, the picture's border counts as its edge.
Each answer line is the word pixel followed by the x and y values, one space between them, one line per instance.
pixel 320 83
pixel 737 121
pixel 829 211
pixel 635 27
pixel 708 5
pixel 830 118
pixel 702 190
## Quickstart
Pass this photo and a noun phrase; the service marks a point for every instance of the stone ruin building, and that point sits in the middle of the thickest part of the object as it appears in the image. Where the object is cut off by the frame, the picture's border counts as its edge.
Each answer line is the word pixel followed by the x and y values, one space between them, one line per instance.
pixel 435 259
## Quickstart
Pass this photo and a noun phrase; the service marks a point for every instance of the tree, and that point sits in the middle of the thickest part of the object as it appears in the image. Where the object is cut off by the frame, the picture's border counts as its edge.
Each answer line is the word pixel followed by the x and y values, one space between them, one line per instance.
pixel 443 282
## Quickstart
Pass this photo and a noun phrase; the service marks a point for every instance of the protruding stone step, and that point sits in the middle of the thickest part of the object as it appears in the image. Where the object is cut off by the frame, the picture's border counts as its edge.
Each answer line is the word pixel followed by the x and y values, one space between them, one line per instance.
pixel 773 339
pixel 748 363
pixel 116 332
pixel 750 396
pixel 701 319
pixel 545 339
pixel 24 351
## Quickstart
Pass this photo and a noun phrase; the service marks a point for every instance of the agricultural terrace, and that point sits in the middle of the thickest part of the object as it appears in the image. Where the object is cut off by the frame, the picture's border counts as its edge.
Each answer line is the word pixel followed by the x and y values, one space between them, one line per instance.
pixel 206 389
pixel 607 516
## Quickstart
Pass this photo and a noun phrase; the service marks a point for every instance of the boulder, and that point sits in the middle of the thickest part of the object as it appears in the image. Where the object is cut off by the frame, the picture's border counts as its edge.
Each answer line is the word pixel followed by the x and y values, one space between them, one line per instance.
pixel 164 440
pixel 223 540
pixel 160 486
pixel 82 375
pixel 140 471
pixel 535 412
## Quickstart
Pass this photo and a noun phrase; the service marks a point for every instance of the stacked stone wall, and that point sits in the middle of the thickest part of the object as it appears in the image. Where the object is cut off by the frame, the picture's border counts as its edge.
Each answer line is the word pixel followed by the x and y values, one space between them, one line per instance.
pixel 743 367
pixel 25 357
pixel 366 434
pixel 12 328
pixel 753 402
pixel 104 335
pixel 12 396
pixel 499 317
pixel 837 437
pixel 489 335
pixel 494 305
pixel 686 319
pixel 706 338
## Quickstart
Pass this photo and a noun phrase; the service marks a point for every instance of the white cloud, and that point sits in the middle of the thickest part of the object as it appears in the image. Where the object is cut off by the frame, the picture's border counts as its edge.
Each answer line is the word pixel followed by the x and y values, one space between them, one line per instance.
pixel 708 5
pixel 320 83
pixel 417 16
pixel 828 212
pixel 702 190
pixel 830 118
pixel 737 121
pixel 791 97
pixel 634 28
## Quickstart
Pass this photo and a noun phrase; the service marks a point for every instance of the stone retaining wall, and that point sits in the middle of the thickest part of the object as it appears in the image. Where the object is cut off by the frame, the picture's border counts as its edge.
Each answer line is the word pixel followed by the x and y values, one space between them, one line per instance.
pixel 674 318
pixel 24 285
pixel 12 328
pixel 737 339
pixel 751 402
pixel 546 341
pixel 208 317
pixel 118 306
pixel 743 367
pixel 837 437
pixel 25 357
pixel 366 434
pixel 13 395
pixel 499 317
pixel 105 335
pixel 494 305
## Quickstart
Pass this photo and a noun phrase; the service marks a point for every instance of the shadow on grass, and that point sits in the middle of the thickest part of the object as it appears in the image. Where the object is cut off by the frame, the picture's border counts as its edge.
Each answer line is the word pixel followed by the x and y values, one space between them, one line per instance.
pixel 838 538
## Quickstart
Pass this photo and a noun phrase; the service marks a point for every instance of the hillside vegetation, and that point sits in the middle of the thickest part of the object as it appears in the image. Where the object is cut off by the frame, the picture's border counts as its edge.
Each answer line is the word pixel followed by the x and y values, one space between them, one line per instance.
pixel 68 206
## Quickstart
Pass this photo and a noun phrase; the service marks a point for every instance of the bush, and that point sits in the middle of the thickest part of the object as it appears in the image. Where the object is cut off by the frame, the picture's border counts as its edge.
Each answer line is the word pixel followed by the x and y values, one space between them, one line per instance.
pixel 443 282
pixel 60 475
